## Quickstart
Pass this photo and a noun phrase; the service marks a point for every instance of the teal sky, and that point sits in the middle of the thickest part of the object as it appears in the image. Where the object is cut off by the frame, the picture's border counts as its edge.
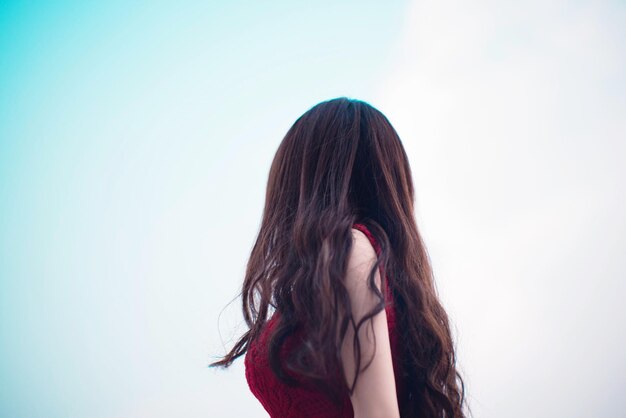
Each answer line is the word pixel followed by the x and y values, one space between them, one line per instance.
pixel 118 123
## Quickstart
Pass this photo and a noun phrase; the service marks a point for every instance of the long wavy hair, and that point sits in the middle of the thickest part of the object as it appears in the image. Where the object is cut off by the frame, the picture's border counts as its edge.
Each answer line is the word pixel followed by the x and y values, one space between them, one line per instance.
pixel 341 163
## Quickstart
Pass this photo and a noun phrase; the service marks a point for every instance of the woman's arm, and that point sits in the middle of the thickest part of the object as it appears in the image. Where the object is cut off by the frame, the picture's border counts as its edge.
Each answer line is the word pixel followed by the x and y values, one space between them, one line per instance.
pixel 375 390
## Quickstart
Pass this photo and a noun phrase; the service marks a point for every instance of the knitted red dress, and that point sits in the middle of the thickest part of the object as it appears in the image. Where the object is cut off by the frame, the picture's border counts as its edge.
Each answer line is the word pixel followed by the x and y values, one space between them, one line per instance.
pixel 282 401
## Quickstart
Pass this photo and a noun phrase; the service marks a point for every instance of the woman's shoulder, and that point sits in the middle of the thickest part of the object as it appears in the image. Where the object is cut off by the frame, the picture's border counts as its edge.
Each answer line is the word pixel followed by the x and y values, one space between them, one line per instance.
pixel 362 245
pixel 362 233
pixel 361 259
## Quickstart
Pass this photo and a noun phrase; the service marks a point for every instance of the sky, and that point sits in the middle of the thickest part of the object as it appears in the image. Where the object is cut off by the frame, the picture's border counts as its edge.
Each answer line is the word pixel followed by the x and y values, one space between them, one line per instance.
pixel 135 143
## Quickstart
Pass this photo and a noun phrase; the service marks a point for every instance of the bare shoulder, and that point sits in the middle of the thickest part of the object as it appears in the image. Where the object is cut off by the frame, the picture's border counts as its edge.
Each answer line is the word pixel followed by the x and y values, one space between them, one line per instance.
pixel 357 234
pixel 361 259
pixel 374 392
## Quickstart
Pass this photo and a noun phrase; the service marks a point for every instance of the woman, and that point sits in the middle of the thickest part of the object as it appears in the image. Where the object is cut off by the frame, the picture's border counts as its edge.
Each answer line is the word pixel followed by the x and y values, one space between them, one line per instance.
pixel 338 295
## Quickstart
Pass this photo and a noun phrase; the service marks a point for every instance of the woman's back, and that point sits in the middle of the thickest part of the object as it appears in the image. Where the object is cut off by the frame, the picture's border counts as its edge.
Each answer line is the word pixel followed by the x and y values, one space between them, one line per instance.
pixel 281 400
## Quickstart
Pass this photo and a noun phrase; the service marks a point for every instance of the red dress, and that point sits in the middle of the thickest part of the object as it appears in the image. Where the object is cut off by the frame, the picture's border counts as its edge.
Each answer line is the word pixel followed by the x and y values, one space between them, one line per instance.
pixel 282 401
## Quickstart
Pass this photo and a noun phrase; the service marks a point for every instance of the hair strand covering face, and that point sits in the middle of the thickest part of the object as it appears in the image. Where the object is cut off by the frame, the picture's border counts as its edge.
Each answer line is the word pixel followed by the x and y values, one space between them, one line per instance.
pixel 342 162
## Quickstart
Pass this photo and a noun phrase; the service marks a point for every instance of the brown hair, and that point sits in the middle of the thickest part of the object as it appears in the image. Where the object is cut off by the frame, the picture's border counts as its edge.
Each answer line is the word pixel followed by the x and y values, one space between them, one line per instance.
pixel 341 163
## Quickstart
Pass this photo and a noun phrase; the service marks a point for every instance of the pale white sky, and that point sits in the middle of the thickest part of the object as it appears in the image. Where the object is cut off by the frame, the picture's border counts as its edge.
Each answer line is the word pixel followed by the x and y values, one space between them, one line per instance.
pixel 513 118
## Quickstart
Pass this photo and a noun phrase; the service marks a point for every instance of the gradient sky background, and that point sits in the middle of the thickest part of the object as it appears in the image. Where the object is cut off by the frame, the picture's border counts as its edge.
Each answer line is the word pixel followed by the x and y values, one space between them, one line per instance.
pixel 135 143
